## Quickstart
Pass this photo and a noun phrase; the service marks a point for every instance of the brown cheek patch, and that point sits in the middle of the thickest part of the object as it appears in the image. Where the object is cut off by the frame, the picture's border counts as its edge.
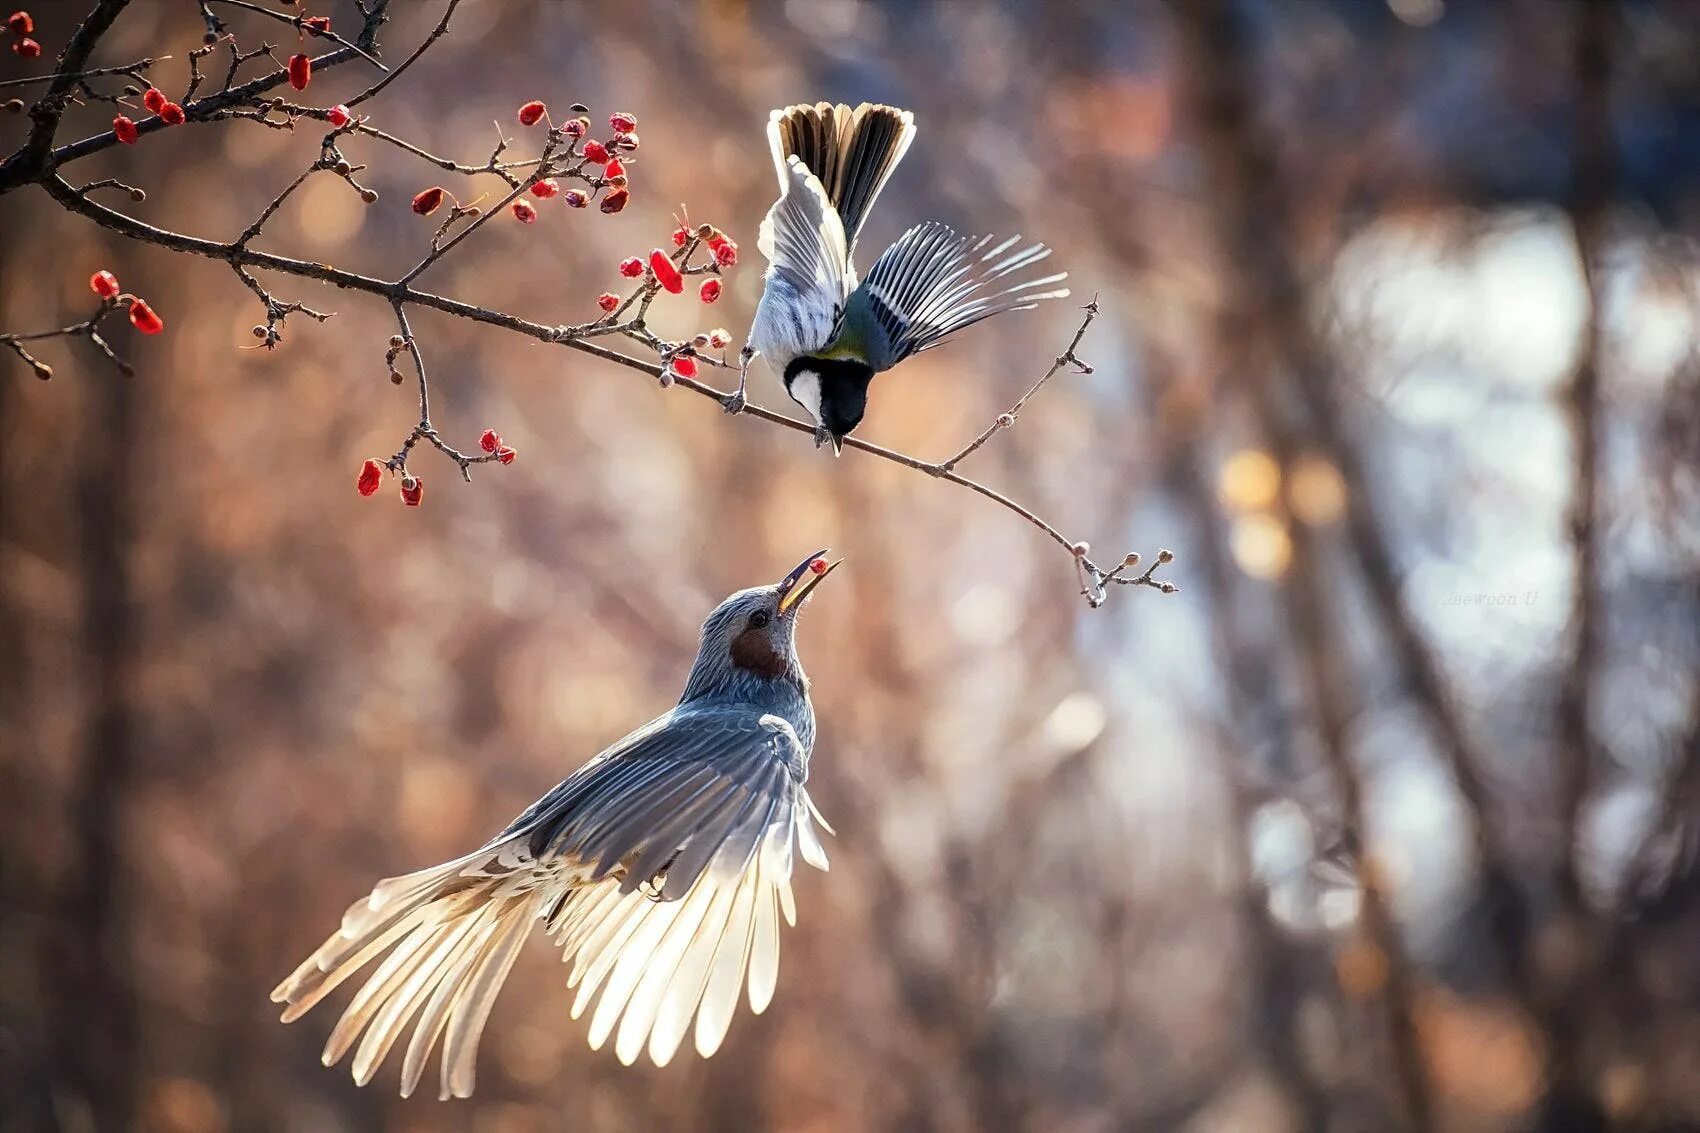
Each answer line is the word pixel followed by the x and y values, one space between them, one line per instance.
pixel 752 651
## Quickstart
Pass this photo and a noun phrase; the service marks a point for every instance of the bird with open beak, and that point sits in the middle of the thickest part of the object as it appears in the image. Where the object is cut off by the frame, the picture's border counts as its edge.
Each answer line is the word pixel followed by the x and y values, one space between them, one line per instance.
pixel 660 868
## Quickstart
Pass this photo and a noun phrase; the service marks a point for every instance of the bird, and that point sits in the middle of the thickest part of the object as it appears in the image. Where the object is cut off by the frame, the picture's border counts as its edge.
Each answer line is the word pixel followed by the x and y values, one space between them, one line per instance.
pixel 825 333
pixel 660 868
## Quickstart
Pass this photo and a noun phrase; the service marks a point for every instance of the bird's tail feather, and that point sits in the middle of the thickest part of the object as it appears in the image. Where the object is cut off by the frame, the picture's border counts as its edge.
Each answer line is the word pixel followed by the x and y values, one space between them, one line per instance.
pixel 853 152
pixel 451 933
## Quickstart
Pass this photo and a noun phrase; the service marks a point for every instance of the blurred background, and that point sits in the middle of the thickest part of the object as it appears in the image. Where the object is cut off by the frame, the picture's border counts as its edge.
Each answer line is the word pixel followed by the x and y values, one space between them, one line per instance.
pixel 1374 826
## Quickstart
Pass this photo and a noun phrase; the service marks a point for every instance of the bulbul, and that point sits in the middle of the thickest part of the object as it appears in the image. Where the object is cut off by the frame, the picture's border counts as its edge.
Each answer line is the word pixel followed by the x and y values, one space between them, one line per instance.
pixel 825 333
pixel 660 868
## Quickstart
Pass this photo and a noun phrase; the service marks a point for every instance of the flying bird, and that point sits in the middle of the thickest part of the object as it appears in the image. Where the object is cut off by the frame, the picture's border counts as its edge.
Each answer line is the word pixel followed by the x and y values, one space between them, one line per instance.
pixel 822 331
pixel 660 868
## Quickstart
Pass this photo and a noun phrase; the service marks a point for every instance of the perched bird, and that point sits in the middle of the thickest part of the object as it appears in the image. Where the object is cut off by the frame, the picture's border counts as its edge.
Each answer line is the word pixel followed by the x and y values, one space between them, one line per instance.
pixel 660 868
pixel 824 333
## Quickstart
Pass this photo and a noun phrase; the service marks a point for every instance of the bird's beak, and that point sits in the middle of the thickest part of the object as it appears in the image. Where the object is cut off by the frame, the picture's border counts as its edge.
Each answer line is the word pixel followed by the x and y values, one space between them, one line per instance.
pixel 794 587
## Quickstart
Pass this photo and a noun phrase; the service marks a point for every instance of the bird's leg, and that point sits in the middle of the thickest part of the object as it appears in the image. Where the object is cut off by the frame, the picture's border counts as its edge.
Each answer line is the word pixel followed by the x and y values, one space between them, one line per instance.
pixel 736 402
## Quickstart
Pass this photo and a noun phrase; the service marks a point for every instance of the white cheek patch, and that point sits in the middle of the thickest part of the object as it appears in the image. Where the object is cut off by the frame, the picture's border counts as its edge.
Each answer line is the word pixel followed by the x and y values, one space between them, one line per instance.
pixel 805 391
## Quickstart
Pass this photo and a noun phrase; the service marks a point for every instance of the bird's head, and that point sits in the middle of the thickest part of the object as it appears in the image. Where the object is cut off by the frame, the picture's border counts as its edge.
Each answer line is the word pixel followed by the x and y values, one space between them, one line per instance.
pixel 833 390
pixel 750 638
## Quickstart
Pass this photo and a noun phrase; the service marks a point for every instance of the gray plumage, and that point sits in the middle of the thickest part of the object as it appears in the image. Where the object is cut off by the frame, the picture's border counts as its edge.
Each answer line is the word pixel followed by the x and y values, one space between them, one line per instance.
pixel 660 868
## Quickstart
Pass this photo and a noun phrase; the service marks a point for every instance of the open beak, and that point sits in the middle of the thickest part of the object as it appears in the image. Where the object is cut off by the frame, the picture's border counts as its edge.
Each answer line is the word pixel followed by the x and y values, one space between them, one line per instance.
pixel 794 587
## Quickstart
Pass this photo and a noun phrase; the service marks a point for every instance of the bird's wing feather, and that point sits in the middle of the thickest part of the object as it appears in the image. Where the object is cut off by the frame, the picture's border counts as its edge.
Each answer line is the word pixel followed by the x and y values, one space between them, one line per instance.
pixel 708 820
pixel 703 804
pixel 932 283
pixel 808 273
pixel 803 237
pixel 695 789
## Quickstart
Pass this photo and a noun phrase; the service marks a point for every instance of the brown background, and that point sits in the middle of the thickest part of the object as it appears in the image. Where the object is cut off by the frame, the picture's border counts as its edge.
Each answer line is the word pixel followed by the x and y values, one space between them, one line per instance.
pixel 1093 868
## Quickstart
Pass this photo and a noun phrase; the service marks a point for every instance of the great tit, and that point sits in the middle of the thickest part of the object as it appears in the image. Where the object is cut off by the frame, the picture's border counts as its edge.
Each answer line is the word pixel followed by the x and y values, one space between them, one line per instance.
pixel 824 333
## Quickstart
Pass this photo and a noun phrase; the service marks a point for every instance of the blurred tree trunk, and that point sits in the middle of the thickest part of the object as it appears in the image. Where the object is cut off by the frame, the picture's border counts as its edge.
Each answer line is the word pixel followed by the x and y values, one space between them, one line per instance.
pixel 92 1019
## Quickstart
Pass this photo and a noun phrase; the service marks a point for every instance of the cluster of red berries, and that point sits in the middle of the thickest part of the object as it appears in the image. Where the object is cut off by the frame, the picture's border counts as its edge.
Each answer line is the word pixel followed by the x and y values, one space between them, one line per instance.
pixel 21 24
pixel 371 476
pixel 143 317
pixel 666 272
pixel 605 154
pixel 163 108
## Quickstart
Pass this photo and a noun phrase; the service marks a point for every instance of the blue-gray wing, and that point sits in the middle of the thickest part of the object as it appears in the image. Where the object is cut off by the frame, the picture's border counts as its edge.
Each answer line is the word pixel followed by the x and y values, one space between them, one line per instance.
pixel 697 788
pixel 932 283
pixel 687 829
pixel 808 273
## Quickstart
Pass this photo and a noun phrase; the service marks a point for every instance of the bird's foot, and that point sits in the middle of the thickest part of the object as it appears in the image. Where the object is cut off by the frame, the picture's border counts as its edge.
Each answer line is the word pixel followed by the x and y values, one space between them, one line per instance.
pixel 734 403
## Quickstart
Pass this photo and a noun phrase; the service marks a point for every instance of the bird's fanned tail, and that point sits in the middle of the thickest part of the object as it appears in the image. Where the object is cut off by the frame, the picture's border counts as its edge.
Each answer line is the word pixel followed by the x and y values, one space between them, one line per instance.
pixel 853 152
pixel 932 283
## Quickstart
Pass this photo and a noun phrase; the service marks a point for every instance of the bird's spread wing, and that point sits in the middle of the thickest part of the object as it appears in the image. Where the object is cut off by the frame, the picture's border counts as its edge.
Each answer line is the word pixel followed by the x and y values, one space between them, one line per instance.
pixel 932 283
pixel 661 867
pixel 808 275
pixel 688 831
pixel 803 237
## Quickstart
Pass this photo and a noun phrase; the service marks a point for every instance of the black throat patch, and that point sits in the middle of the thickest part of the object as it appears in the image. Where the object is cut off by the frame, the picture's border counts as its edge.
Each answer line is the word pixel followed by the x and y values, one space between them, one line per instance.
pixel 843 389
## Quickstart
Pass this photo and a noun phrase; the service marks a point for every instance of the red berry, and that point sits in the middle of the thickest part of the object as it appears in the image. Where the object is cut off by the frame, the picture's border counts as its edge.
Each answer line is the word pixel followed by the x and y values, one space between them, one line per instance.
pixel 489 440
pixel 144 318
pixel 427 201
pixel 532 113
pixel 318 25
pixel 546 188
pixel 709 291
pixel 596 151
pixel 125 129
pixel 20 23
pixel 104 284
pixel 26 49
pixel 613 169
pixel 371 477
pixel 575 199
pixel 171 114
pixel 525 212
pixel 577 128
pixel 622 123
pixel 154 99
pixel 300 71
pixel 506 455
pixel 681 236
pixel 608 301
pixel 412 490
pixel 818 566
pixel 631 267
pixel 339 116
pixel 615 201
pixel 719 338
pixel 726 253
pixel 666 271
pixel 684 365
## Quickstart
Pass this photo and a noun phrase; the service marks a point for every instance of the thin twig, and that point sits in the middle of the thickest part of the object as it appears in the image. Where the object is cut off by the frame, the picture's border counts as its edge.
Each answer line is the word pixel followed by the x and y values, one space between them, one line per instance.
pixel 437 33
pixel 1005 420
pixel 130 69
pixel 299 22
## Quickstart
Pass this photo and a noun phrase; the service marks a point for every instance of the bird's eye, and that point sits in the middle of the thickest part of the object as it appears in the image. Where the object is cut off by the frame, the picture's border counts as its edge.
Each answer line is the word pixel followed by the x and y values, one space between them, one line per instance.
pixel 759 619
